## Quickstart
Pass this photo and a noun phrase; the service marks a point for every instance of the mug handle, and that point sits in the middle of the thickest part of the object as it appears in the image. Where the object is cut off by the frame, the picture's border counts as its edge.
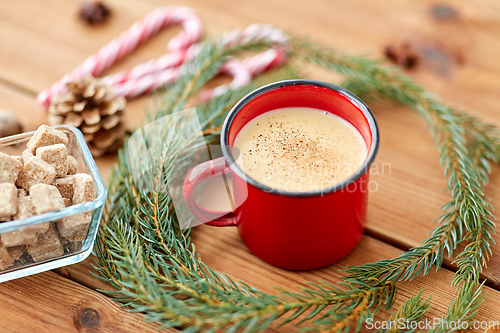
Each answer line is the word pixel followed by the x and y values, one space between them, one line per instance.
pixel 193 178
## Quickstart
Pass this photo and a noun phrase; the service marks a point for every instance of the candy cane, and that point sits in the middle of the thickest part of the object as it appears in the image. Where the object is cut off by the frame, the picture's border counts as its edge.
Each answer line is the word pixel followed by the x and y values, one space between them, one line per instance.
pixel 165 62
pixel 239 72
pixel 129 40
pixel 156 73
pixel 254 32
pixel 147 83
pixel 254 65
pixel 244 71
pixel 265 61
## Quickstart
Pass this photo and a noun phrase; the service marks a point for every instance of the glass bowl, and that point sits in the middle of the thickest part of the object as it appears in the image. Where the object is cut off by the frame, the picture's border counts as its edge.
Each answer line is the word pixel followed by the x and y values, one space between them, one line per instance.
pixel 74 251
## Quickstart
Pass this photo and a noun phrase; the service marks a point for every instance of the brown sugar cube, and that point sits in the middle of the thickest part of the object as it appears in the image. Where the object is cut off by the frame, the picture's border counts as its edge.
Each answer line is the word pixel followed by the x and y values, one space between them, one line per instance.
pixel 65 186
pixel 67 202
pixel 24 235
pixel 46 136
pixel 72 165
pixel 83 188
pixel 47 240
pixel 46 198
pixel 74 227
pixel 35 171
pixel 37 228
pixel 16 252
pixel 5 259
pixel 5 219
pixel 78 236
pixel 47 246
pixel 18 237
pixel 55 155
pixel 8 199
pixel 26 155
pixel 25 207
pixel 10 168
pixel 20 159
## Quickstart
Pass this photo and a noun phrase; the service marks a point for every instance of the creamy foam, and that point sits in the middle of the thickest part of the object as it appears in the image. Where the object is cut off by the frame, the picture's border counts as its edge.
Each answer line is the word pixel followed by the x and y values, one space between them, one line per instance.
pixel 299 149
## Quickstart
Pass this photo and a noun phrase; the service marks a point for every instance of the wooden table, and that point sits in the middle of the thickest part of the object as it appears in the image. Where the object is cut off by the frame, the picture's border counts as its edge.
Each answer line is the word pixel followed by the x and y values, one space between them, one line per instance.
pixel 460 45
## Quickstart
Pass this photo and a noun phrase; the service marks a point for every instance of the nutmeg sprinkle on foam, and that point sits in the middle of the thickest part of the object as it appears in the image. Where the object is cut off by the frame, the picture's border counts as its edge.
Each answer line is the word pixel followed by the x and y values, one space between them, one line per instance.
pixel 300 149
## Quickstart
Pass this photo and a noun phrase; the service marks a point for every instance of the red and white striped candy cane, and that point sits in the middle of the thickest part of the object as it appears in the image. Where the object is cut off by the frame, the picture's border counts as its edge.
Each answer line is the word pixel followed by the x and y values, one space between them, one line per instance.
pixel 146 84
pixel 129 40
pixel 165 62
pixel 239 72
pixel 265 61
pixel 254 32
pixel 254 65
pixel 242 72
pixel 156 73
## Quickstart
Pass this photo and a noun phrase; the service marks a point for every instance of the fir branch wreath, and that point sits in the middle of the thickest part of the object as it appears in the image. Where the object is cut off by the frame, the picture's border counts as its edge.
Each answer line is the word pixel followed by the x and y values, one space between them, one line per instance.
pixel 154 268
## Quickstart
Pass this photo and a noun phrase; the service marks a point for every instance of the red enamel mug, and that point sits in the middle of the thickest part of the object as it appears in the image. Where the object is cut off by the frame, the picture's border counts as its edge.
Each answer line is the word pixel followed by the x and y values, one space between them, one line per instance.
pixel 303 230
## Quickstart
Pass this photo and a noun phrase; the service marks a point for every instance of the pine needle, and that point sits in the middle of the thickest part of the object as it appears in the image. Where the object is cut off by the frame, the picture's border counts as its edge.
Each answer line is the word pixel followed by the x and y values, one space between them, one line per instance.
pixel 150 262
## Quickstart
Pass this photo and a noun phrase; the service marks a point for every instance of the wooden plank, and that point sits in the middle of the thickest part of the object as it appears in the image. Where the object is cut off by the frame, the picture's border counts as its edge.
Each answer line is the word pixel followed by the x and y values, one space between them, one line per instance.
pixel 81 273
pixel 59 47
pixel 41 41
pixel 47 302
pixel 406 144
pixel 223 251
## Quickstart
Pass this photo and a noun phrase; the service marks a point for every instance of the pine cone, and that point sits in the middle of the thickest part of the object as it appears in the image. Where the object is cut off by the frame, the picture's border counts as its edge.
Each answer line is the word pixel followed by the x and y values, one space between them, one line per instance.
pixel 91 106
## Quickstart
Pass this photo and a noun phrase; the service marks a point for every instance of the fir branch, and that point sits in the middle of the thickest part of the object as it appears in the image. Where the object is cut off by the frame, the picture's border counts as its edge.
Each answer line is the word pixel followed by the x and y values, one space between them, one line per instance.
pixel 143 253
pixel 462 310
pixel 482 145
pixel 468 210
pixel 407 315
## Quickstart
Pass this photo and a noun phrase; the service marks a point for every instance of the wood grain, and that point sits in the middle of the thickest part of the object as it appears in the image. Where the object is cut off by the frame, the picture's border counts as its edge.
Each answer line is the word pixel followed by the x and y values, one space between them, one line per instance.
pixel 222 250
pixel 233 258
pixel 415 181
pixel 42 40
pixel 47 302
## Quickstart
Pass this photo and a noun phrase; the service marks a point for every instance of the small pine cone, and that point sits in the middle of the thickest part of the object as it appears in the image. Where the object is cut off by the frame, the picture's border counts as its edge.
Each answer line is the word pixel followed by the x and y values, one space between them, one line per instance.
pixel 91 106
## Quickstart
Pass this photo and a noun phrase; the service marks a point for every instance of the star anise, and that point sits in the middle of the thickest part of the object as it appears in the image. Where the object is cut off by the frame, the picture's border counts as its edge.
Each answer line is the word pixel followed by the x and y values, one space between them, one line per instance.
pixel 94 12
pixel 404 55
